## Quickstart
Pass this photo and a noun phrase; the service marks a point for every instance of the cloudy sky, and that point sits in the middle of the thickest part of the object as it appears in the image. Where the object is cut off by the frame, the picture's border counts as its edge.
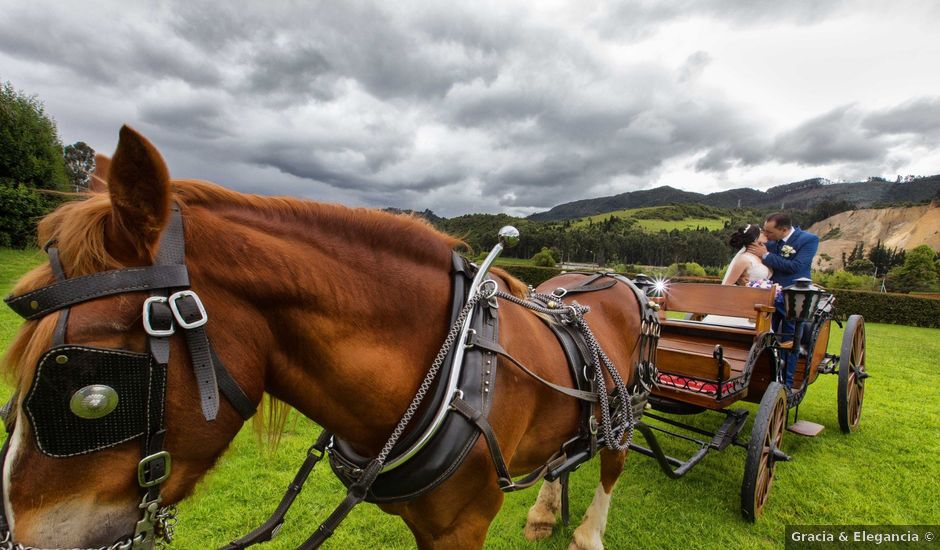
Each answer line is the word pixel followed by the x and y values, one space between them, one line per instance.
pixel 483 106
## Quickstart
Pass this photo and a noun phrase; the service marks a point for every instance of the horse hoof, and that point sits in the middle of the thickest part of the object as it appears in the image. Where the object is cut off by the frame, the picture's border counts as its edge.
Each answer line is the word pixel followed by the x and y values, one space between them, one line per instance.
pixel 538 531
pixel 586 543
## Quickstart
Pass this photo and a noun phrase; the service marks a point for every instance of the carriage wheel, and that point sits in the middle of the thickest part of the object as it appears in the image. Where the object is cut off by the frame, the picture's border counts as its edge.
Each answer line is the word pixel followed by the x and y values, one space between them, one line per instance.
pixel 763 451
pixel 852 374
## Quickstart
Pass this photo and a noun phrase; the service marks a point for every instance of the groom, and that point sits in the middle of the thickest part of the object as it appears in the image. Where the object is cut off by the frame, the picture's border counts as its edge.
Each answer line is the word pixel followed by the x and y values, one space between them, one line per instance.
pixel 789 252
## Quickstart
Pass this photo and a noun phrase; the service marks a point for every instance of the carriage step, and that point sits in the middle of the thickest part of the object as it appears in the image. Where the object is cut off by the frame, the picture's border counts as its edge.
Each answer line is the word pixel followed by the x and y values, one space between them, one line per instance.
pixel 806 428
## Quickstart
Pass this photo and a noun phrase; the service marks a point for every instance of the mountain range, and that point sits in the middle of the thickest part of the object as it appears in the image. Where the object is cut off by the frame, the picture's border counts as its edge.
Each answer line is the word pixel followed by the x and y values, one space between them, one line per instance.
pixel 801 194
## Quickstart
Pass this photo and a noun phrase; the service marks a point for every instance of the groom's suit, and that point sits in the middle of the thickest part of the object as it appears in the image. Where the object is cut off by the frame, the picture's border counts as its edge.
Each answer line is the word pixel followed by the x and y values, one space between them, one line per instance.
pixel 788 269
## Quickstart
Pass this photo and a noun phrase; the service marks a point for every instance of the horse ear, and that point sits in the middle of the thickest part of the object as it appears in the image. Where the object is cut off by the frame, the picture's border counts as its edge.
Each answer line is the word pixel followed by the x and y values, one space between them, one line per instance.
pixel 98 183
pixel 139 185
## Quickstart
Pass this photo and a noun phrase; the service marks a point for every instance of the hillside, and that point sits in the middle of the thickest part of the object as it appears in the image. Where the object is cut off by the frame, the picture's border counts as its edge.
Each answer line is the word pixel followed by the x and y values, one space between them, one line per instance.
pixel 905 228
pixel 806 194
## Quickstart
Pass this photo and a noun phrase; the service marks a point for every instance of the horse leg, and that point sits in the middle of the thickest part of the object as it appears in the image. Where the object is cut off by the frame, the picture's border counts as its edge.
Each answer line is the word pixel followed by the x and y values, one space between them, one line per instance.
pixel 544 513
pixel 590 534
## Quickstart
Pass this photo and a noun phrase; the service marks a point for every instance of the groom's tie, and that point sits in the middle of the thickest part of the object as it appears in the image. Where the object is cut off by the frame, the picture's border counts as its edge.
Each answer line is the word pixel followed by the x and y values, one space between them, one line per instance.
pixel 779 246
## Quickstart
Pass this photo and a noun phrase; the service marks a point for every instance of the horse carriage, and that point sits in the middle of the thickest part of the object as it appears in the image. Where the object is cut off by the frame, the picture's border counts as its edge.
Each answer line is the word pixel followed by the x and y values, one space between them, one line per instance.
pixel 167 308
pixel 722 351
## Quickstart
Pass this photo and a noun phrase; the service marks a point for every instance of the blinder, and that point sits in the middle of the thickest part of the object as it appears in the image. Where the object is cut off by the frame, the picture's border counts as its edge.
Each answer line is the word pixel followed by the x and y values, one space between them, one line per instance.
pixel 75 384
pixel 84 399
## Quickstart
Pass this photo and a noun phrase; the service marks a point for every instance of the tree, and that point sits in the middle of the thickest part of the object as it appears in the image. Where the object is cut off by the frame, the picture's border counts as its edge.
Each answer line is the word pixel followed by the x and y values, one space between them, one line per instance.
pixel 30 151
pixel 918 274
pixel 80 163
pixel 858 252
pixel 861 266
pixel 30 161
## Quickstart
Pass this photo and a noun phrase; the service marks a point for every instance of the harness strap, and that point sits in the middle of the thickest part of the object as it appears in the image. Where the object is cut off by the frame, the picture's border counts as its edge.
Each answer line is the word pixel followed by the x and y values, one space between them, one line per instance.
pixel 356 494
pixel 230 388
pixel 270 528
pixel 490 345
pixel 589 286
pixel 478 419
pixel 58 337
pixel 58 295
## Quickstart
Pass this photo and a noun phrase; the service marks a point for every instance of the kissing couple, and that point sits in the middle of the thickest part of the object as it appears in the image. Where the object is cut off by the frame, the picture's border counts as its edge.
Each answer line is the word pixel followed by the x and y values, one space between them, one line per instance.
pixel 776 254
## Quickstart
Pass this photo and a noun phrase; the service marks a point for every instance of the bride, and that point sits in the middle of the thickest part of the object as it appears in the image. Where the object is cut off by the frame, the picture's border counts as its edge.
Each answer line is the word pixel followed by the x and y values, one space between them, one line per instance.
pixel 746 269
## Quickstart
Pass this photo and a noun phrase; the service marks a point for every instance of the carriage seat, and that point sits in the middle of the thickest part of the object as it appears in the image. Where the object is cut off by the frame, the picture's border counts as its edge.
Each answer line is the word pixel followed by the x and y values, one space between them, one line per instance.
pixel 686 353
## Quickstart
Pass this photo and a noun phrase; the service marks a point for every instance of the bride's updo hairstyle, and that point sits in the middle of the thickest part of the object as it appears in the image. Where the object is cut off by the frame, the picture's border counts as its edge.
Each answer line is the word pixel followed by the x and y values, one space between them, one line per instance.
pixel 744 236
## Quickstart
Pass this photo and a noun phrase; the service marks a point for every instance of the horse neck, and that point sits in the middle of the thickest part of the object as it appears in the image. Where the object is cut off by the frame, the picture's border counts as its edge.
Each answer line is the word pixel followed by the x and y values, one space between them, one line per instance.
pixel 352 323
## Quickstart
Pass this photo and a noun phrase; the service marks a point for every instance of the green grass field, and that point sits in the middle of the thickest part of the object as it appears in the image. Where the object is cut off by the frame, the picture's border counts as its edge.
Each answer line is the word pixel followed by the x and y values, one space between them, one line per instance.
pixel 655 225
pixel 884 473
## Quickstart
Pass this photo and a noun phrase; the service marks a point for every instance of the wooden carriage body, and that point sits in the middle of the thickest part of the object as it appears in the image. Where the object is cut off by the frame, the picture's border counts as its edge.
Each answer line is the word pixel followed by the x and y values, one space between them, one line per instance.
pixel 723 350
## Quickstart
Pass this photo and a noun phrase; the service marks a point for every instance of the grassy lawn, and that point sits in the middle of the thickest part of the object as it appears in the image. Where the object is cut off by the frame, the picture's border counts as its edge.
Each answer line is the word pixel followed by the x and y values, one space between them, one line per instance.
pixel 884 473
pixel 655 225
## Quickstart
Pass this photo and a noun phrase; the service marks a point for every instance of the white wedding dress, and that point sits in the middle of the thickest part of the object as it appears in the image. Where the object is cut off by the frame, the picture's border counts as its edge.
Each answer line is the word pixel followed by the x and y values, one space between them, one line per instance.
pixel 755 270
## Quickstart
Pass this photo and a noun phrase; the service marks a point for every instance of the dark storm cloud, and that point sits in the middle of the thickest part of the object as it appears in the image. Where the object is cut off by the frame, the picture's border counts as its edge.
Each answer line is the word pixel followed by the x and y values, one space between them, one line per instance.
pixel 109 53
pixel 451 105
pixel 832 137
pixel 200 117
pixel 917 116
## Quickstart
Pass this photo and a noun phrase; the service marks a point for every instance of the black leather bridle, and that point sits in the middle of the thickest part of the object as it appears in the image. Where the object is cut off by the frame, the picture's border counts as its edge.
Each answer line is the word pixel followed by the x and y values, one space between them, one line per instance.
pixel 84 399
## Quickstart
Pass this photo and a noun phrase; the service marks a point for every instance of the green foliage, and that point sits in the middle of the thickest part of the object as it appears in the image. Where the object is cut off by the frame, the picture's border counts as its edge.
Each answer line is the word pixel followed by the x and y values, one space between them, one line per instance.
pixel 533 275
pixel 686 269
pixel 919 272
pixel 862 266
pixel 79 164
pixel 30 151
pixel 20 209
pixel 884 258
pixel 846 280
pixel 544 258
pixel 895 309
pixel 823 210
pixel 833 233
pixel 30 160
pixel 858 252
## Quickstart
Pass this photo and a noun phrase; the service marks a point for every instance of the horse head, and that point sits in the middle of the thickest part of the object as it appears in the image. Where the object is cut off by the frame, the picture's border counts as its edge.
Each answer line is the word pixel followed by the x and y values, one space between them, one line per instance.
pixel 73 484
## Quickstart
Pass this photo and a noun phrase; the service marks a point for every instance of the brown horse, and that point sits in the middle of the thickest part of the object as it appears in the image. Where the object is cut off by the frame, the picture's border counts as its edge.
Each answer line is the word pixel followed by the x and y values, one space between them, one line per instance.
pixel 336 311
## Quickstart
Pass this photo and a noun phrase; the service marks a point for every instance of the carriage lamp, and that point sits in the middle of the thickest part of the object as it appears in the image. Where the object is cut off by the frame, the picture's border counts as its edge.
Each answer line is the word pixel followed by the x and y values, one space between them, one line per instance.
pixel 800 299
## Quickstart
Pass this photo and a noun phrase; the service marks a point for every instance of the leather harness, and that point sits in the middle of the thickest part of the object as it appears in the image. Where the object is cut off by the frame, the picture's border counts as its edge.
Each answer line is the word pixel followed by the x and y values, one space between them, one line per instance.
pixel 172 307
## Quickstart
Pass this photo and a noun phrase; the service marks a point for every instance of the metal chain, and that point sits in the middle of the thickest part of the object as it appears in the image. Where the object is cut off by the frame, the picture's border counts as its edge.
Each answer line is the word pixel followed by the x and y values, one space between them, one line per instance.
pixel 165 526
pixel 574 314
pixel 431 374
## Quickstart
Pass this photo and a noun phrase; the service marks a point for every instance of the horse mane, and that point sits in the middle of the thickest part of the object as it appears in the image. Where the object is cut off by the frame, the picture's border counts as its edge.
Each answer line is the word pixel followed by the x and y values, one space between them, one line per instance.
pixel 78 228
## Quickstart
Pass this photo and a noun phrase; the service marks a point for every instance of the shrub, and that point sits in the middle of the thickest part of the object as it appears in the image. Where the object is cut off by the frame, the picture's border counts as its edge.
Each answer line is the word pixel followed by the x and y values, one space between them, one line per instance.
pixel 917 274
pixel 544 258
pixel 532 275
pixel 688 269
pixel 20 209
pixel 880 307
pixel 846 281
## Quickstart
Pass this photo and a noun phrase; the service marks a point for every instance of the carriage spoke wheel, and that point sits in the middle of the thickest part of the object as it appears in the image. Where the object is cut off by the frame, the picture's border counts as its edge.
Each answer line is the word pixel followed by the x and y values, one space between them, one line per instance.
pixel 852 374
pixel 763 451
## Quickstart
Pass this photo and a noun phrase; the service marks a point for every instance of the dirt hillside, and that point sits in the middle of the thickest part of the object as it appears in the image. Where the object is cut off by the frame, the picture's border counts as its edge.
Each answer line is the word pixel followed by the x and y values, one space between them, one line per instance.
pixel 905 228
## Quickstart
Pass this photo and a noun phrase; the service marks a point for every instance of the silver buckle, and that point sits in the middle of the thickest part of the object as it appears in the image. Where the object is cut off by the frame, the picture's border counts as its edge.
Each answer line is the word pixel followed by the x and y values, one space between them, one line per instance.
pixel 175 297
pixel 144 462
pixel 160 333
